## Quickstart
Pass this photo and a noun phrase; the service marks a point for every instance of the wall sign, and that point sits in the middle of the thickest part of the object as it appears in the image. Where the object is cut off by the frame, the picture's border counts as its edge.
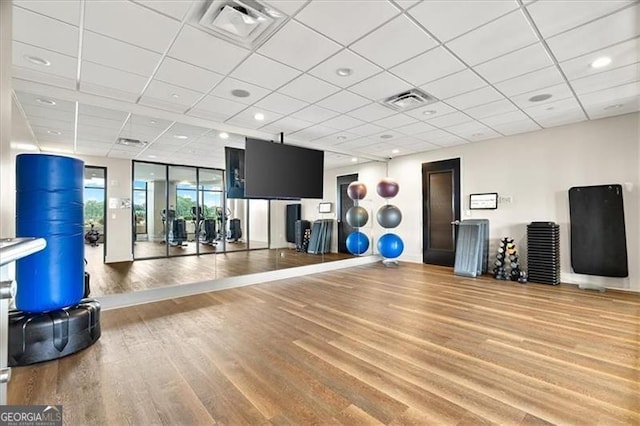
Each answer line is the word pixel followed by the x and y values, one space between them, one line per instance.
pixel 484 201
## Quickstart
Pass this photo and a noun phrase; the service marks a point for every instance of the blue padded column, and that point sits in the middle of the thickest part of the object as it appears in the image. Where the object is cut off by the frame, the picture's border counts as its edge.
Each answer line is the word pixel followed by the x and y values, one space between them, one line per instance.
pixel 49 204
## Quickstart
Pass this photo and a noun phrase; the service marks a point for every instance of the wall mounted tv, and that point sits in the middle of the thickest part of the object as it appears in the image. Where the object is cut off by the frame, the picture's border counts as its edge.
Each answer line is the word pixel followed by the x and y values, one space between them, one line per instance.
pixel 276 170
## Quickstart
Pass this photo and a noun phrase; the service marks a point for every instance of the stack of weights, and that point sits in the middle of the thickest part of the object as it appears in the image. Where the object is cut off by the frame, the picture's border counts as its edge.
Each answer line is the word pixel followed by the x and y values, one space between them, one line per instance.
pixel 507 265
pixel 305 240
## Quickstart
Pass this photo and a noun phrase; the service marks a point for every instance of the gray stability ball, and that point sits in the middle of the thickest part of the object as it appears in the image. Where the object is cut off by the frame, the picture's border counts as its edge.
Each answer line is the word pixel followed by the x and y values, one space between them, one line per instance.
pixel 389 216
pixel 357 216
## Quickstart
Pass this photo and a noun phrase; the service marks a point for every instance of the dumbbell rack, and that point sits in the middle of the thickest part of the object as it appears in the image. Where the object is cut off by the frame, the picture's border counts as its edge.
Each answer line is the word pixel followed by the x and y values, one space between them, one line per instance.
pixel 11 249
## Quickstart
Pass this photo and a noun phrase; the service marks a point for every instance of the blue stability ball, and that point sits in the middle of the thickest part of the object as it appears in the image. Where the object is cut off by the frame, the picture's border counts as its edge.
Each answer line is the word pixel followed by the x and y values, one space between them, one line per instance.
pixel 390 246
pixel 49 204
pixel 389 216
pixel 357 217
pixel 357 242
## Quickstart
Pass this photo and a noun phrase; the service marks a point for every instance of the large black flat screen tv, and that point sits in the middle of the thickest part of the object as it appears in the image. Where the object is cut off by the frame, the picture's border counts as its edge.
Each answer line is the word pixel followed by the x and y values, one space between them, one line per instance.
pixel 275 170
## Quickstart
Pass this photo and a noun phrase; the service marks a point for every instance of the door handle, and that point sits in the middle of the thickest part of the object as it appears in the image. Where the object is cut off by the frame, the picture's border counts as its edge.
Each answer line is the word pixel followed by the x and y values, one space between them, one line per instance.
pixel 455 222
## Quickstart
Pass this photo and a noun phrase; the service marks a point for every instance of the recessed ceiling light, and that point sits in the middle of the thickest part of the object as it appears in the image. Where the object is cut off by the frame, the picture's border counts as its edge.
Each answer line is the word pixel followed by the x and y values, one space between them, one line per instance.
pixel 551 108
pixel 429 112
pixel 272 13
pixel 181 137
pixel 175 95
pixel 540 98
pixel 240 93
pixel 259 116
pixel 223 135
pixel 46 101
pixel 37 60
pixel 151 156
pixel 344 72
pixel 341 137
pixel 395 151
pixel 601 62
pixel 151 174
pixel 386 136
pixel 153 122
pixel 615 106
pixel 54 132
pixel 354 159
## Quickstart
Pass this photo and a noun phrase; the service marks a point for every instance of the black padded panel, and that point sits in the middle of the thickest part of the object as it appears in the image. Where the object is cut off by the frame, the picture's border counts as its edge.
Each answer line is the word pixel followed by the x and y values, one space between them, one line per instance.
pixel 598 240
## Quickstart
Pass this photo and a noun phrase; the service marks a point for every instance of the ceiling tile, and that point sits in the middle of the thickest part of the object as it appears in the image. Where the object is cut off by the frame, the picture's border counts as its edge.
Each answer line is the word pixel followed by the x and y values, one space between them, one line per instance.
pixel 343 101
pixel 110 82
pixel 371 112
pixel 441 138
pixel 450 19
pixel 553 17
pixel 504 35
pixel 394 42
pixel 516 127
pixel 366 129
pixel 428 112
pixel 395 121
pixel 169 97
pixel 343 122
pixel 116 54
pixel 361 68
pixel 604 32
pixel 67 11
pixel 308 89
pixel 380 86
pixel 605 80
pixel 569 117
pixel 281 104
pixel 335 139
pixel 206 51
pixel 109 114
pixel 453 119
pixel 289 7
pixel 313 132
pixel 106 125
pixel 346 21
pixel 473 131
pixel 600 109
pixel 186 130
pixel 536 80
pixel 406 4
pixel 50 34
pixel 265 72
pixel 612 95
pixel 285 46
pixel 43 125
pixel 557 92
pixel 25 75
pixel 224 89
pixel 493 108
pixel 621 54
pixel 247 120
pixel 215 108
pixel 188 76
pixel 475 97
pixel 287 125
pixel 523 61
pixel 554 111
pixel 454 84
pixel 122 20
pixel 61 65
pixel 505 118
pixel 314 114
pixel 175 9
pixel 427 67
pixel 415 128
pixel 145 128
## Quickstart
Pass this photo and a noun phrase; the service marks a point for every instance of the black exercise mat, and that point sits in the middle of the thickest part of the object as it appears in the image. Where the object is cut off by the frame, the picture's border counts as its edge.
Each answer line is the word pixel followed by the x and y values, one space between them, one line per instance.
pixel 598 240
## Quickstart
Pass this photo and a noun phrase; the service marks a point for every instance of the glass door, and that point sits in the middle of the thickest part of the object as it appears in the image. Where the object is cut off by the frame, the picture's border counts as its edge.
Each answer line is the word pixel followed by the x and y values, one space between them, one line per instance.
pixel 149 210
pixel 95 198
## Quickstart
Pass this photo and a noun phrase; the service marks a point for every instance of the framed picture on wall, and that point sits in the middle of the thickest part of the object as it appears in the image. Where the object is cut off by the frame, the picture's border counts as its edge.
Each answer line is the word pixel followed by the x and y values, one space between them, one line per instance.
pixel 483 201
pixel 325 207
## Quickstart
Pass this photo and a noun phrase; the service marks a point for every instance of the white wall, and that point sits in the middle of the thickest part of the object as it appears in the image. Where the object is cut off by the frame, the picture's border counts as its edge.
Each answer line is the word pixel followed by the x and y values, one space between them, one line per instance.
pixel 279 224
pixel 259 222
pixel 536 169
pixel 7 158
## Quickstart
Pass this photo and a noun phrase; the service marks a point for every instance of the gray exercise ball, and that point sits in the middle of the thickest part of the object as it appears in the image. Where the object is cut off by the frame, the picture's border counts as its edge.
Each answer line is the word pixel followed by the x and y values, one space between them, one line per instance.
pixel 389 216
pixel 357 216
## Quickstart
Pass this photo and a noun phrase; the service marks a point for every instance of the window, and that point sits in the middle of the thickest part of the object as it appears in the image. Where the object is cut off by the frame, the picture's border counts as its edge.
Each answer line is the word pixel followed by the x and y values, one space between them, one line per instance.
pixel 140 206
pixel 186 195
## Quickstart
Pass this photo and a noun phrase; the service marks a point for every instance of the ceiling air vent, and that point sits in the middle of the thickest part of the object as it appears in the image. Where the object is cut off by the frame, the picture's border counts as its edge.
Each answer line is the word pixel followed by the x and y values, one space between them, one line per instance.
pixel 411 99
pixel 131 142
pixel 244 22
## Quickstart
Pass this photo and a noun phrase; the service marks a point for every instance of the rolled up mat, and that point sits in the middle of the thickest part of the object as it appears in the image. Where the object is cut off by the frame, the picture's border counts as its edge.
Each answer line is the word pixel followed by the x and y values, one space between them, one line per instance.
pixel 49 205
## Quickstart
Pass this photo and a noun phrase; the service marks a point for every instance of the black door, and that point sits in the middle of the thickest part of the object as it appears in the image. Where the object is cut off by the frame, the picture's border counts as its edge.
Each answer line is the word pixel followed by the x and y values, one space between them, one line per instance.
pixel 344 203
pixel 440 207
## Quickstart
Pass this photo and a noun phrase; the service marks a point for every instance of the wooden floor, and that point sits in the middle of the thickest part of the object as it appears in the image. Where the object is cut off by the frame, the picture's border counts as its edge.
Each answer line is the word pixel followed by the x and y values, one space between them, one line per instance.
pixel 364 345
pixel 125 277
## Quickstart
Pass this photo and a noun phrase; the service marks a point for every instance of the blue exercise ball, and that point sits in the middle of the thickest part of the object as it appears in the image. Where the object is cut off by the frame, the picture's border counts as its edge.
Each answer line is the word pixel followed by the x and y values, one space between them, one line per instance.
pixel 357 217
pixel 390 246
pixel 357 242
pixel 389 216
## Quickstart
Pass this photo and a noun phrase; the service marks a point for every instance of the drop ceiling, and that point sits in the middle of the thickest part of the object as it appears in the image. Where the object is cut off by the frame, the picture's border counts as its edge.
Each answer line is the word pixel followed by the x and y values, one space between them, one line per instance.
pixel 147 70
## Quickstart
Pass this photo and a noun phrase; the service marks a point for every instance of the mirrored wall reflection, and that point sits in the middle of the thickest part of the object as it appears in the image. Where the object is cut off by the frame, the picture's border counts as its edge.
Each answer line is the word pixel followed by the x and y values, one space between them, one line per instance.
pixel 258 224
pixel 182 215
pixel 149 210
pixel 210 225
